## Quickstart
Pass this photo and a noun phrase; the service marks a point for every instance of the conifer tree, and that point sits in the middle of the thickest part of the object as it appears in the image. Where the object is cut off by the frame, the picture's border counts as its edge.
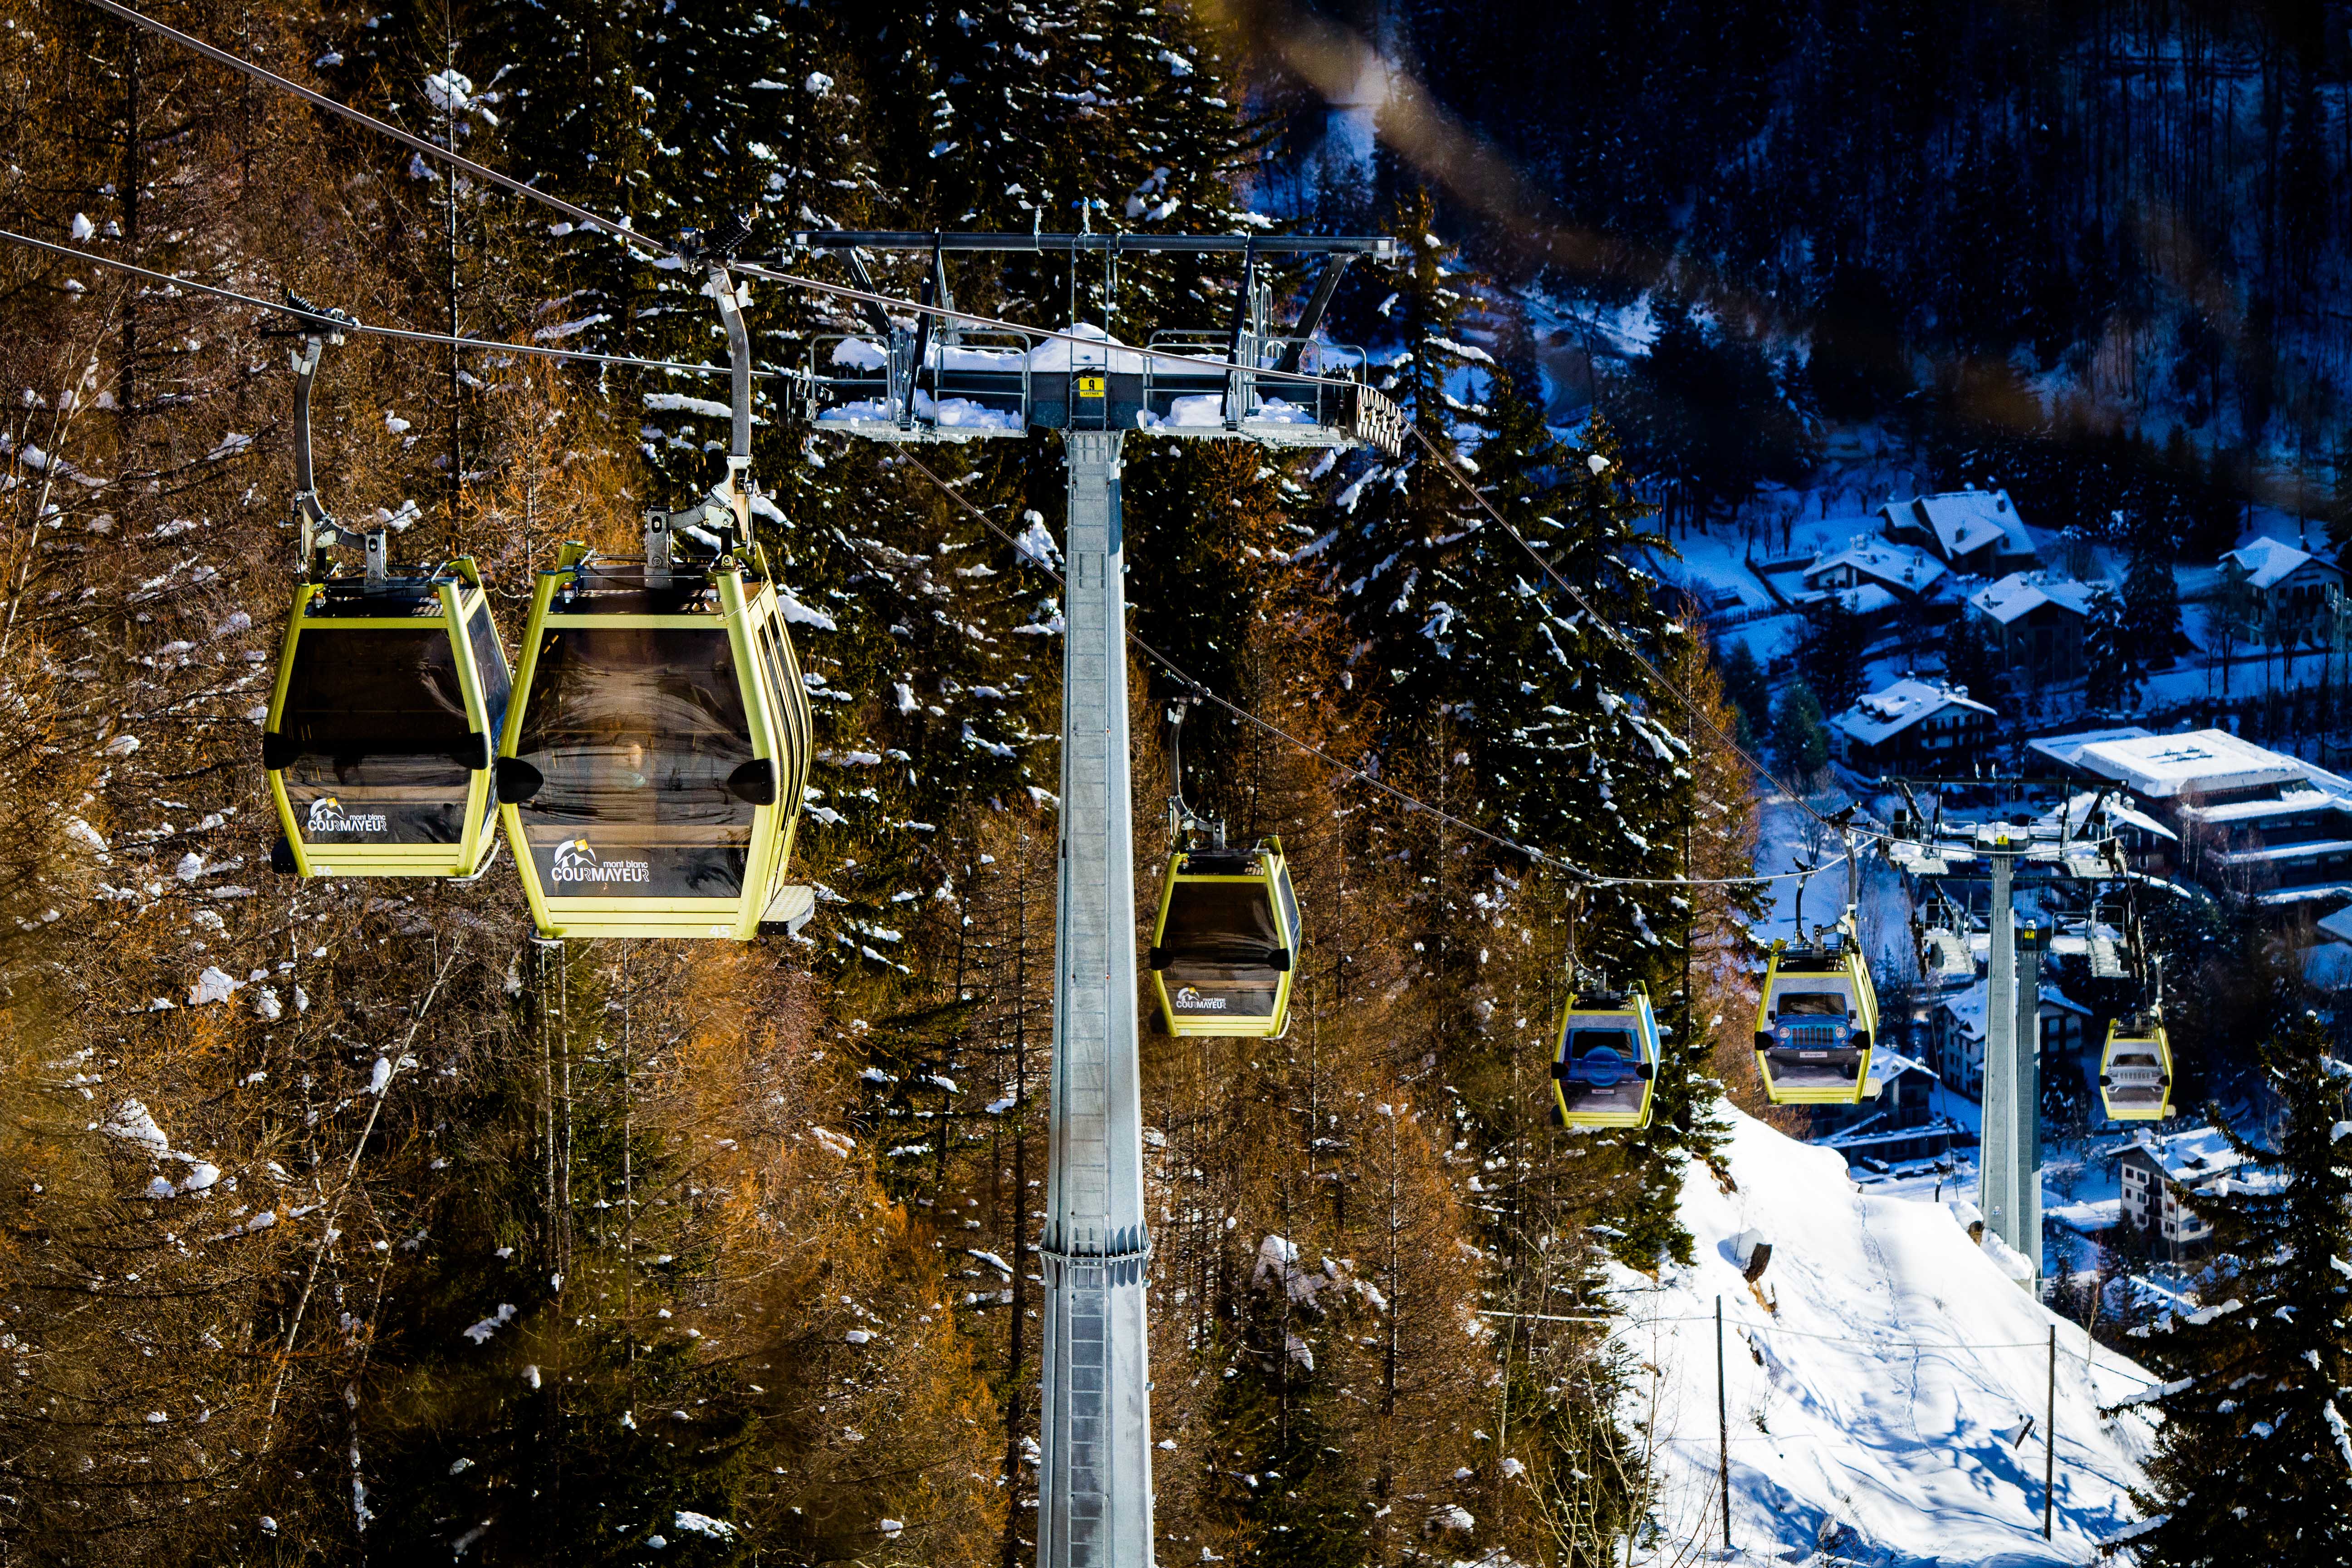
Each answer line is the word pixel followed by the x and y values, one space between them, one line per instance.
pixel 2255 1455
pixel 2152 607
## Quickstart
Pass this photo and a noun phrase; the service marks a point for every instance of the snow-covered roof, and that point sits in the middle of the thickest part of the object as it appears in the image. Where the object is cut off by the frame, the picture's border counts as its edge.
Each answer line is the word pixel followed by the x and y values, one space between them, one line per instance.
pixel 2337 925
pixel 2113 811
pixel 2291 802
pixel 2328 966
pixel 1862 599
pixel 1900 566
pixel 2065 749
pixel 2190 1158
pixel 2267 562
pixel 1964 520
pixel 1887 1066
pixel 2021 593
pixel 1967 1007
pixel 1883 714
pixel 2200 762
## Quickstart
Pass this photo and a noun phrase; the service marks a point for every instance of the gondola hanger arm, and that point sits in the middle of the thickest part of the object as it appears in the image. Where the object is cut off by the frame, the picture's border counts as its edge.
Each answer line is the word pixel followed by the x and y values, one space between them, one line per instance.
pixel 319 328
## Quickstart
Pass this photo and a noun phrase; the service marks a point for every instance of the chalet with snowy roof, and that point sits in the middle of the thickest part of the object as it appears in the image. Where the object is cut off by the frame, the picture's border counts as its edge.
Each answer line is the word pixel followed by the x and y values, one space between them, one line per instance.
pixel 2159 1170
pixel 2291 583
pixel 1975 532
pixel 2147 843
pixel 2034 620
pixel 1897 571
pixel 1956 1034
pixel 1915 727
pixel 2250 820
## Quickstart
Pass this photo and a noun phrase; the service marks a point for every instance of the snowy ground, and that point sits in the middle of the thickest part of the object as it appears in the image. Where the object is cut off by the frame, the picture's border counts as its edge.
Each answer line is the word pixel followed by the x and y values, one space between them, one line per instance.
pixel 1875 1414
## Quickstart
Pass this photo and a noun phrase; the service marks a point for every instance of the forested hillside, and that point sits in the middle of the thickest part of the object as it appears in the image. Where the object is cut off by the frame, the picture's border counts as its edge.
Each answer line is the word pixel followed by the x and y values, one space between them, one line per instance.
pixel 343 1220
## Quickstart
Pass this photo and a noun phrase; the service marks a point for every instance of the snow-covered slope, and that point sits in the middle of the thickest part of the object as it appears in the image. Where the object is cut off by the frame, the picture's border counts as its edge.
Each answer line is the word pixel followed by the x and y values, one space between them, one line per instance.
pixel 1876 1411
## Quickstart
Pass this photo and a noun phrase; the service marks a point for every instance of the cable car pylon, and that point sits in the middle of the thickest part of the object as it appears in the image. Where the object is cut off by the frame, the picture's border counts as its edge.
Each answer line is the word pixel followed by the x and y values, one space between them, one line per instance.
pixel 2009 1170
pixel 904 384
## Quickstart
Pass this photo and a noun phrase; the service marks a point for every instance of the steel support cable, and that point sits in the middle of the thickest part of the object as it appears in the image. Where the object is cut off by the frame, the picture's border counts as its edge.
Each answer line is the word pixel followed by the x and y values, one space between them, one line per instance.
pixel 628 236
pixel 1349 771
pixel 402 335
pixel 1630 1324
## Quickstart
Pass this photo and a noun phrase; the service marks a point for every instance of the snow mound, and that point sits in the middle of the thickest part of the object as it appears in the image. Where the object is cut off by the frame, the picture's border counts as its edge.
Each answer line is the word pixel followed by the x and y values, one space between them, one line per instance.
pixel 1872 1411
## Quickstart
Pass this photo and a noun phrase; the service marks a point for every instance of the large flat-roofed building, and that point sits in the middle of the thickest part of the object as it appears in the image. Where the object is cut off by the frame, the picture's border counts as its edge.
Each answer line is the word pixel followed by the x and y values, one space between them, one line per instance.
pixel 2250 821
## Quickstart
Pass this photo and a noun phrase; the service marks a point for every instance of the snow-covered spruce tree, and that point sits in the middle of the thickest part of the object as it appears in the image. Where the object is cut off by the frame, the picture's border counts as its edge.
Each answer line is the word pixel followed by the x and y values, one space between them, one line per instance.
pixel 2256 1458
pixel 1504 701
pixel 1033 108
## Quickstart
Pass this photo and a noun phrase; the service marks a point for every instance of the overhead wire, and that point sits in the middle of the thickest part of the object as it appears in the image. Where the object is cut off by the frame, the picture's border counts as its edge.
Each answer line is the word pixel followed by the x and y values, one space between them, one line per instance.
pixel 1350 772
pixel 646 242
pixel 404 334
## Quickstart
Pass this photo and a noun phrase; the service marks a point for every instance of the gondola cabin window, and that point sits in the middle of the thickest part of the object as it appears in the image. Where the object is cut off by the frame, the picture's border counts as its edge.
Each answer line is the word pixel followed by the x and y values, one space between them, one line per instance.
pixel 491 659
pixel 640 736
pixel 1602 1057
pixel 1218 940
pixel 381 745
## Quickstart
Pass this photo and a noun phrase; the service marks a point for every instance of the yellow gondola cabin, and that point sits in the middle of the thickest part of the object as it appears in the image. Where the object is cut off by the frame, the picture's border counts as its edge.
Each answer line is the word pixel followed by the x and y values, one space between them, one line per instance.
pixel 651 773
pixel 1604 1067
pixel 1815 1022
pixel 2136 1069
pixel 1226 942
pixel 652 767
pixel 392 685
pixel 379 735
